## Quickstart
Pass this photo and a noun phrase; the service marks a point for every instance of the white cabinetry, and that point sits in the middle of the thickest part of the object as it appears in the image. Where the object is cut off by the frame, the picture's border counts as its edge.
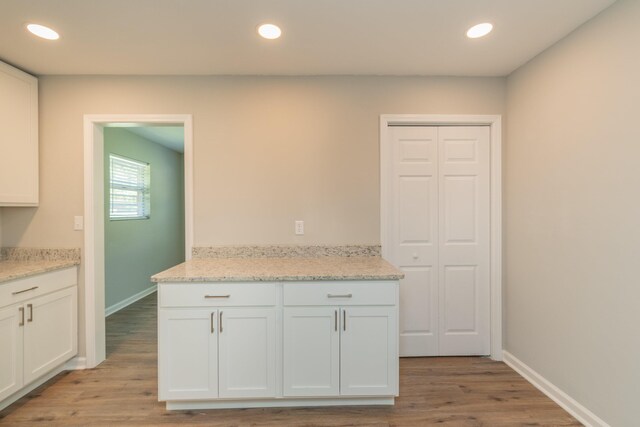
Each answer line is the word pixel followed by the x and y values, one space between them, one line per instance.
pixel 188 349
pixel 217 340
pixel 311 351
pixel 18 137
pixel 10 350
pixel 348 348
pixel 247 352
pixel 50 332
pixel 368 356
pixel 38 328
pixel 230 345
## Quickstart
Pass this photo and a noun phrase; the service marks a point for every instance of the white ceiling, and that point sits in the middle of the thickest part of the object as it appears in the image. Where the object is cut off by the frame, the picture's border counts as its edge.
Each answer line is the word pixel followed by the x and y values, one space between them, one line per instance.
pixel 171 137
pixel 373 37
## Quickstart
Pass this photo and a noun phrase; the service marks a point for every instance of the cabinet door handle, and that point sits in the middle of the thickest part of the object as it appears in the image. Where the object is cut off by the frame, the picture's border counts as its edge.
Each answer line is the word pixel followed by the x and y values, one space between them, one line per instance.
pixel 217 296
pixel 344 319
pixel 30 307
pixel 335 320
pixel 339 296
pixel 220 322
pixel 213 313
pixel 24 290
pixel 21 309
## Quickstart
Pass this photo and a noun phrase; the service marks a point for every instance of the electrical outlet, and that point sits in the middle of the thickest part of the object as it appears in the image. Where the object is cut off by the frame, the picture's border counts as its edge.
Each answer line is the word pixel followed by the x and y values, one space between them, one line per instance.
pixel 78 222
pixel 299 228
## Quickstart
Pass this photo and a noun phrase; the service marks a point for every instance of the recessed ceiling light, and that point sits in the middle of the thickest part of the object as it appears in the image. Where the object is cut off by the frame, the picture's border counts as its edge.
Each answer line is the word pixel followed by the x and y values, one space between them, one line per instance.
pixel 42 31
pixel 479 30
pixel 269 31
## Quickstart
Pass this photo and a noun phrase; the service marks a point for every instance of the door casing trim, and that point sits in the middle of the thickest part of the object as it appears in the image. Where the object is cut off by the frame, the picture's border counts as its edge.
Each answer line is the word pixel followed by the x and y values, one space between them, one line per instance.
pixel 495 124
pixel 93 256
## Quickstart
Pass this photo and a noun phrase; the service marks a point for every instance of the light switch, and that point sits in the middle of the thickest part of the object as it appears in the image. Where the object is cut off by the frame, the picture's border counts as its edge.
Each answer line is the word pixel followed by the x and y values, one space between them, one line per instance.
pixel 299 228
pixel 78 223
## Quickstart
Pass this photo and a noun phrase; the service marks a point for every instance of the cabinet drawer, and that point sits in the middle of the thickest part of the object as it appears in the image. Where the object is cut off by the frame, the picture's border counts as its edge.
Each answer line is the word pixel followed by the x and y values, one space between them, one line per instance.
pixel 19 290
pixel 217 294
pixel 340 293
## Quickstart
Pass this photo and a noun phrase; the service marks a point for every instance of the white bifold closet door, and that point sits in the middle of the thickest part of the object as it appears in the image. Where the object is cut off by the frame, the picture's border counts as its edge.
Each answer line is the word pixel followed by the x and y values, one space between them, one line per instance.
pixel 438 235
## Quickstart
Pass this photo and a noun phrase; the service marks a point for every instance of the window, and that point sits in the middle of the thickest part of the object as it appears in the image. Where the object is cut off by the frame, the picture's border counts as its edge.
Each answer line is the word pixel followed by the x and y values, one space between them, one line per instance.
pixel 129 188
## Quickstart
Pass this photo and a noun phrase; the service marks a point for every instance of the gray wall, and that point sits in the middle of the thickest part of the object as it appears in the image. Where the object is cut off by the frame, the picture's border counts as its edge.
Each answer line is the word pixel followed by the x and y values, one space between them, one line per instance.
pixel 572 199
pixel 267 151
pixel 137 249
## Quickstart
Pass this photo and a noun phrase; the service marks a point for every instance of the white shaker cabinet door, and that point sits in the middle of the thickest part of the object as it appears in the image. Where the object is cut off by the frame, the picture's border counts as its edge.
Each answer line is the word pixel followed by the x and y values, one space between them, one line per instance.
pixel 188 354
pixel 247 341
pixel 10 350
pixel 369 357
pixel 50 332
pixel 311 351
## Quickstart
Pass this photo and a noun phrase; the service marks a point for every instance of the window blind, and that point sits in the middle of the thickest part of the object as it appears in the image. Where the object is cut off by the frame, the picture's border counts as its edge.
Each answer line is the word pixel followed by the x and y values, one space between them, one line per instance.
pixel 129 188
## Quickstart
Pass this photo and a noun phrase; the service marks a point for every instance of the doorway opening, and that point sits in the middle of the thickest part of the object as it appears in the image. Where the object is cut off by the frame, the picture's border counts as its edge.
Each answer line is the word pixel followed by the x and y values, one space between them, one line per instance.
pixel 144 211
pixel 97 132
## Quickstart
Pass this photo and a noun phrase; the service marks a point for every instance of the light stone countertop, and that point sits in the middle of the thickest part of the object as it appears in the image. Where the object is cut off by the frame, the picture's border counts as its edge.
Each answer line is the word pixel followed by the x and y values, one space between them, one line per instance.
pixel 280 269
pixel 12 270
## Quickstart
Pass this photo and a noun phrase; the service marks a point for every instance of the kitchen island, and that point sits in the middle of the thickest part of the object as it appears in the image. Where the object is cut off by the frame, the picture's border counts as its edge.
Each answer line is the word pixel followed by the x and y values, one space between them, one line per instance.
pixel 260 332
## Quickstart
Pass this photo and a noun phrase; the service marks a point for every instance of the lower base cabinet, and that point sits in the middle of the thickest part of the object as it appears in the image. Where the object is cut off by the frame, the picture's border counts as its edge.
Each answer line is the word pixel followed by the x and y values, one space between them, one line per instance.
pixel 339 351
pixel 206 354
pixel 247 353
pixel 11 360
pixel 224 343
pixel 38 328
pixel 311 352
pixel 188 354
pixel 368 352
pixel 50 333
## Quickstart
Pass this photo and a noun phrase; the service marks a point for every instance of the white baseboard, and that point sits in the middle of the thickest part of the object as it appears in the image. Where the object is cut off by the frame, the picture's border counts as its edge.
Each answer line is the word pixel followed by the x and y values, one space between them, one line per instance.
pixel 567 403
pixel 76 363
pixel 133 298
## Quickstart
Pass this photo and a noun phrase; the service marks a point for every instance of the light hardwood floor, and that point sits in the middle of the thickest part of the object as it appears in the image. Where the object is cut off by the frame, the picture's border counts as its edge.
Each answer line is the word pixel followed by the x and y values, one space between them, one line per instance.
pixel 446 391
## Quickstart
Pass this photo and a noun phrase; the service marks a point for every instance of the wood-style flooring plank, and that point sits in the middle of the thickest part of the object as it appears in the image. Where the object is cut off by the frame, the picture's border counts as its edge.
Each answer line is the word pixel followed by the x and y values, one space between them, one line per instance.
pixel 122 391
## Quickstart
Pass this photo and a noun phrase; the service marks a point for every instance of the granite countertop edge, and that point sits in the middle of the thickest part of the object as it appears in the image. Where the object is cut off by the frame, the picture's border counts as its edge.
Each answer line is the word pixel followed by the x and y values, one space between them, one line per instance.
pixel 265 278
pixel 14 270
pixel 279 270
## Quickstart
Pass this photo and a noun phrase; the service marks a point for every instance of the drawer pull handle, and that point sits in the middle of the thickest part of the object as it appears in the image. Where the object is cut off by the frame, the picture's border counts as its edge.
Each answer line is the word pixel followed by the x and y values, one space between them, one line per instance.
pixel 30 307
pixel 24 290
pixel 335 320
pixel 213 313
pixel 344 320
pixel 220 322
pixel 217 296
pixel 21 309
pixel 339 296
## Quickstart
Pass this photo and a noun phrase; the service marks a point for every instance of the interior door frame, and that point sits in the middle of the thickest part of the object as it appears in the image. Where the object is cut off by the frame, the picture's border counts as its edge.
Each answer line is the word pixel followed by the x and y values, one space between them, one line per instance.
pixel 495 124
pixel 93 257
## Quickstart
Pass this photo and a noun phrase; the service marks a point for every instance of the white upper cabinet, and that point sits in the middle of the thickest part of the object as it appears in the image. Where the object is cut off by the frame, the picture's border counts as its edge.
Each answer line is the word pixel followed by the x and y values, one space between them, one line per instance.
pixel 18 137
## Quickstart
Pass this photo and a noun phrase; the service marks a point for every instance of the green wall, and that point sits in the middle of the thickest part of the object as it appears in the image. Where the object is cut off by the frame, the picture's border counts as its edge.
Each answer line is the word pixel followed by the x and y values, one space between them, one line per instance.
pixel 137 249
